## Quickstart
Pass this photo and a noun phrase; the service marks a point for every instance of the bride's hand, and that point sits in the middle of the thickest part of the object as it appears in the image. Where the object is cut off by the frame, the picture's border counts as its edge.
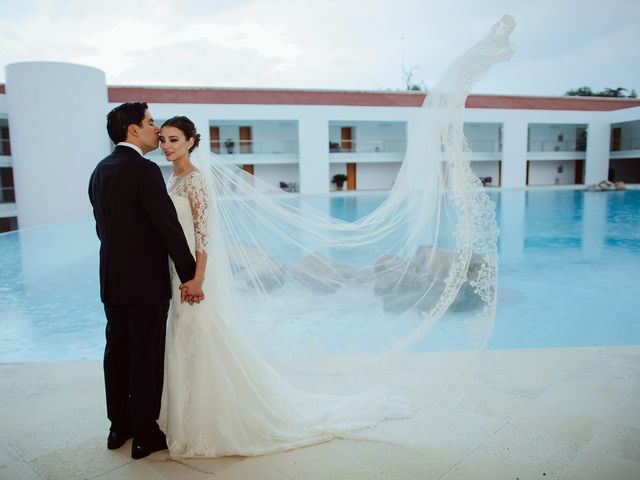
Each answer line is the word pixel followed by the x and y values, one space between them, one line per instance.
pixel 191 291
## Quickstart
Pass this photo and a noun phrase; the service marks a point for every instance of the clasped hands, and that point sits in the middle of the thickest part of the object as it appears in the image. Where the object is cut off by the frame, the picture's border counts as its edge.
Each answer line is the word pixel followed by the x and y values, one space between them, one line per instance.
pixel 191 292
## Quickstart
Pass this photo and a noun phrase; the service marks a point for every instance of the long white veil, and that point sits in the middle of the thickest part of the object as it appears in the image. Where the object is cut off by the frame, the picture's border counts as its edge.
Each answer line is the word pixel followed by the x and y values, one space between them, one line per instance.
pixel 367 300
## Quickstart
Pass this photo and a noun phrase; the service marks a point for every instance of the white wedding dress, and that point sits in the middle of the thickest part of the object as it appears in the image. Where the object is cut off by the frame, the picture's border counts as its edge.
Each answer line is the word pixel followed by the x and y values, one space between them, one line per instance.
pixel 220 396
pixel 333 305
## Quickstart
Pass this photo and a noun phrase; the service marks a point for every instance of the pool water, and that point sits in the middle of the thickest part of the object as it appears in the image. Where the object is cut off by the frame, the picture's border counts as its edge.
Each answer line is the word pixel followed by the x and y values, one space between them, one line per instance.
pixel 568 276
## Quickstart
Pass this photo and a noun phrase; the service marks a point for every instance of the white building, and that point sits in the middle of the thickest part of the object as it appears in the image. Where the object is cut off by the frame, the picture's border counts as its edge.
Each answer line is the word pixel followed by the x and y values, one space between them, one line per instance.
pixel 52 133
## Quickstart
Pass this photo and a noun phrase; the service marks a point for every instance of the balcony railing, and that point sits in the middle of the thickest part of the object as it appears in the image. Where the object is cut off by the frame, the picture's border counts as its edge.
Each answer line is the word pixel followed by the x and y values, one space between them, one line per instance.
pixel 631 143
pixel 264 147
pixel 368 146
pixel 485 145
pixel 5 146
pixel 7 195
pixel 557 146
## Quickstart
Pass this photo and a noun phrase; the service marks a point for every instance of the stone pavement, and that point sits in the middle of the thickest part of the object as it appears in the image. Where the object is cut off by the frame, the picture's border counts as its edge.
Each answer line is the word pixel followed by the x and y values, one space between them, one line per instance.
pixel 524 414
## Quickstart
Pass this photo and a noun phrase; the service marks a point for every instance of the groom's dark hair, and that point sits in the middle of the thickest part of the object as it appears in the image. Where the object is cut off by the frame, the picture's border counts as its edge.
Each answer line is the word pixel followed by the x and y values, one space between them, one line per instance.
pixel 119 119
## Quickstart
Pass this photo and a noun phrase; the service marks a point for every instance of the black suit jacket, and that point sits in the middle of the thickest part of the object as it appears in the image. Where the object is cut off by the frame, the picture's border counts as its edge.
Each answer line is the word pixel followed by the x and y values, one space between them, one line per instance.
pixel 138 229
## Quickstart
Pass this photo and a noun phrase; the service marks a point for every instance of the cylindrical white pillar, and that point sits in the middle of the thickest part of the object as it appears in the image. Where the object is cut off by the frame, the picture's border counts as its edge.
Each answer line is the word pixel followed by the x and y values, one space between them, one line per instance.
pixel 314 154
pixel 598 146
pixel 514 153
pixel 58 134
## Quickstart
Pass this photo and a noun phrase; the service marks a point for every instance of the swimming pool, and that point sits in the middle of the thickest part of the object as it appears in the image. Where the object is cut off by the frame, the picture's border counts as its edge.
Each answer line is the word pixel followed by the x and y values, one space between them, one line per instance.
pixel 569 268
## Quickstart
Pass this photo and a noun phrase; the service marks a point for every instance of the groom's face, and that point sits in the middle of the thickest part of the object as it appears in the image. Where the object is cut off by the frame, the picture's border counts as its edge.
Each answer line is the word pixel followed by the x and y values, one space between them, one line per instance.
pixel 148 133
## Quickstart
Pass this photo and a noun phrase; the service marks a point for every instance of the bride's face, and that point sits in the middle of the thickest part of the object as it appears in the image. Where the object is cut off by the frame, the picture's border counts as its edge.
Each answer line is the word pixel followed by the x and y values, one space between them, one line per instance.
pixel 174 143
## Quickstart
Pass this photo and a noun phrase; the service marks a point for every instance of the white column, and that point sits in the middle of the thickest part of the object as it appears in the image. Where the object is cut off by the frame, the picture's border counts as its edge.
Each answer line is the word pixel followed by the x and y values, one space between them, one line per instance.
pixel 58 134
pixel 514 153
pixel 598 142
pixel 313 131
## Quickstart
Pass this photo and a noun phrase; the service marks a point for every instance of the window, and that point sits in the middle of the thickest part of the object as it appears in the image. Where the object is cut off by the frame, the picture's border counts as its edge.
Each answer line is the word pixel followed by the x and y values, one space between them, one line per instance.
pixel 8 224
pixel 7 190
pixel 5 145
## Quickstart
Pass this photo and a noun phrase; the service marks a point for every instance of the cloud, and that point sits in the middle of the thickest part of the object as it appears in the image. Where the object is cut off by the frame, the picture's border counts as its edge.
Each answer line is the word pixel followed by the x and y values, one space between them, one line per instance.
pixel 354 44
pixel 197 62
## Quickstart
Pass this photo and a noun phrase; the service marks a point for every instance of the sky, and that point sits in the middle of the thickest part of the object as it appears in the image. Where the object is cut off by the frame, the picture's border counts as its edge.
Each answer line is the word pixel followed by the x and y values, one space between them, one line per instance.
pixel 327 44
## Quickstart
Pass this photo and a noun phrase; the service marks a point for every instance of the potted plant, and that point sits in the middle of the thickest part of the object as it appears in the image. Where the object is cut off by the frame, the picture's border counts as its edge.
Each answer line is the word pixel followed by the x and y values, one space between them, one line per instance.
pixel 339 179
pixel 229 143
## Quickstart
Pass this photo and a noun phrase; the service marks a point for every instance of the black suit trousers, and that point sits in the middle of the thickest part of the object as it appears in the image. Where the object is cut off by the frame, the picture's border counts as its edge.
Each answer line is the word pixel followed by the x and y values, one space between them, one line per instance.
pixel 134 366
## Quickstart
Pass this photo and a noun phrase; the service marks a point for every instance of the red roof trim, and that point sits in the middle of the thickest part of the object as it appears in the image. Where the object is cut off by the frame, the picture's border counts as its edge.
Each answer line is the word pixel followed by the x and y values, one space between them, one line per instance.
pixel 551 103
pixel 223 96
pixel 263 97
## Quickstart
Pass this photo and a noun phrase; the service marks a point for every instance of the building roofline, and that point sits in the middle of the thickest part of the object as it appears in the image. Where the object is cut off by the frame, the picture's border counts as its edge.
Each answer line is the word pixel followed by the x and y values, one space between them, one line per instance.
pixel 376 98
pixel 371 98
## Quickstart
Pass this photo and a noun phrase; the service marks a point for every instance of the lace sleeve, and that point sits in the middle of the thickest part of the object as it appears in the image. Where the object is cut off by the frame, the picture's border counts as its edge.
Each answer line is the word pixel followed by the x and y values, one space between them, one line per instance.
pixel 197 194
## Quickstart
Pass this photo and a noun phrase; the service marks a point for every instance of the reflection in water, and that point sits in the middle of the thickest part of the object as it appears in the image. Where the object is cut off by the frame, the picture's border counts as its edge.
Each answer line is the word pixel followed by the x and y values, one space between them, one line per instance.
pixel 569 262
pixel 570 284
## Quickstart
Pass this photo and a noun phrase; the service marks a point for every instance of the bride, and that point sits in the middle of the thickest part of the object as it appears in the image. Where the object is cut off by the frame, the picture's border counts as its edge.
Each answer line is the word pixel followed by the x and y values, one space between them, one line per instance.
pixel 305 317
pixel 220 397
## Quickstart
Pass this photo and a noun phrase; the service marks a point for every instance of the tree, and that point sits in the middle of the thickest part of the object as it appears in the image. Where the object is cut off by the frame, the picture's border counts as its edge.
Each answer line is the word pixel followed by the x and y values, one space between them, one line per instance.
pixel 619 92
pixel 614 92
pixel 580 92
pixel 409 82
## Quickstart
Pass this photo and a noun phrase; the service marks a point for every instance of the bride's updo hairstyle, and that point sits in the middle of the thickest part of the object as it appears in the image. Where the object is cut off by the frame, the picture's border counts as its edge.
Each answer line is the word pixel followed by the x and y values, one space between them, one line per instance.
pixel 187 127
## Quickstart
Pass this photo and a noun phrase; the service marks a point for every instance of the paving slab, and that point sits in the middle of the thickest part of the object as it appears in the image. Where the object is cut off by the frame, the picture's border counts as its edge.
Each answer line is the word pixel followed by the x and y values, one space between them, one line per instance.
pixel 536 413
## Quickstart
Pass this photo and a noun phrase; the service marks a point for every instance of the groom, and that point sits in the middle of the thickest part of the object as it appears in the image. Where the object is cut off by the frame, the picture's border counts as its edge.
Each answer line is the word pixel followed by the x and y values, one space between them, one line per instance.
pixel 138 229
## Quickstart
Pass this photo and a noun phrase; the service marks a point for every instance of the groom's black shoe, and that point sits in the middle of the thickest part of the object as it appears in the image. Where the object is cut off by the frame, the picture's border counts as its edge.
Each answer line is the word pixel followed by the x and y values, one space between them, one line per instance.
pixel 117 439
pixel 140 450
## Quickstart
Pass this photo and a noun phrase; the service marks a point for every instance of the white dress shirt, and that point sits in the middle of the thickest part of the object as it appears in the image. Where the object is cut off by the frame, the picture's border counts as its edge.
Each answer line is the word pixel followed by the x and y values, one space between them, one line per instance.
pixel 135 147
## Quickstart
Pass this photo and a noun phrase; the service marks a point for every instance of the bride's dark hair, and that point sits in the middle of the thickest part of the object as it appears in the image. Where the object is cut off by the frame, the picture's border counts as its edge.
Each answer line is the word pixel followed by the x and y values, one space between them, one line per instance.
pixel 186 126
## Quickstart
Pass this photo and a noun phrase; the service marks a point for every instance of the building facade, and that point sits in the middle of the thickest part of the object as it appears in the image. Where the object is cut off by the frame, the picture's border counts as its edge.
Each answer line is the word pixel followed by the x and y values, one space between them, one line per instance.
pixel 52 133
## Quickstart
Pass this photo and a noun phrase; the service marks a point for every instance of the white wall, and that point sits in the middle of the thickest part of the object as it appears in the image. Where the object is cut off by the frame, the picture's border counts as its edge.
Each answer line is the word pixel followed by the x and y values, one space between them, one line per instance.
pixel 630 135
pixel 276 136
pixel 314 124
pixel 274 174
pixel 483 137
pixel 553 137
pixel 369 176
pixel 487 169
pixel 313 128
pixel 514 153
pixel 314 154
pixel 376 176
pixel 315 121
pixel 515 122
pixel 546 172
pixel 390 137
pixel 624 115
pixel 57 126
pixel 598 151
